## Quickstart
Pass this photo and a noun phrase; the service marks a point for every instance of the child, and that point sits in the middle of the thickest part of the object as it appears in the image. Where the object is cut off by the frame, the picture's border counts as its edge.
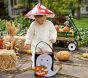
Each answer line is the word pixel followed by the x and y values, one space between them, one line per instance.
pixel 40 30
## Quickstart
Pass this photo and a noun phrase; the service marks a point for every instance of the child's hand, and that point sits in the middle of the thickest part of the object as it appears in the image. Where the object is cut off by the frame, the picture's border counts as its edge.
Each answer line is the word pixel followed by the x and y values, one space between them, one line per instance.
pixel 52 41
pixel 27 47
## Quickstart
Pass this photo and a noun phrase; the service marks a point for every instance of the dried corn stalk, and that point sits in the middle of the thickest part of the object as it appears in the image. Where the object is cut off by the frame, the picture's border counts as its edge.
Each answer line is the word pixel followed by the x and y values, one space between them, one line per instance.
pixel 9 39
pixel 11 29
pixel 8 60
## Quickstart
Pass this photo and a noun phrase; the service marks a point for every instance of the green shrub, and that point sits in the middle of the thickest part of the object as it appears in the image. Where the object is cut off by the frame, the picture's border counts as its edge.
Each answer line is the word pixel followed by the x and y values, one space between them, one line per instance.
pixel 2 27
pixel 84 36
pixel 22 24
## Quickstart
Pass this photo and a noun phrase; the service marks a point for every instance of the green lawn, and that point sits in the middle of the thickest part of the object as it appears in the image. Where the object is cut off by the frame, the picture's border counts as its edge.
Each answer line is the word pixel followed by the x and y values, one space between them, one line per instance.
pixel 81 23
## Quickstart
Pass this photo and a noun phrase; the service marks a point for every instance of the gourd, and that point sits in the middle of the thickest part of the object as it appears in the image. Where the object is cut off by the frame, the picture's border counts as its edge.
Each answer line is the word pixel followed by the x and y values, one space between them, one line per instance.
pixel 85 55
pixel 27 51
pixel 63 55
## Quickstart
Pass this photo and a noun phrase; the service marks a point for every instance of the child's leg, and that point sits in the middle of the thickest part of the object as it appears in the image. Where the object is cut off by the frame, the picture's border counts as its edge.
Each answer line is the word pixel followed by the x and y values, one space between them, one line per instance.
pixel 33 61
pixel 38 49
pixel 33 57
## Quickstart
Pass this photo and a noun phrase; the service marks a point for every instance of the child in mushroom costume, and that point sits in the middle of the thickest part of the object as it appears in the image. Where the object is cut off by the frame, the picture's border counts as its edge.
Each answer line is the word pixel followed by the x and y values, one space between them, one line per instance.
pixel 40 30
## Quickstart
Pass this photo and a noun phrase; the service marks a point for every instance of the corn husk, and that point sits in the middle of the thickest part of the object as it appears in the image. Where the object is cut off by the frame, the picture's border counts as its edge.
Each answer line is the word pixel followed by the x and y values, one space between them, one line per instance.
pixel 8 60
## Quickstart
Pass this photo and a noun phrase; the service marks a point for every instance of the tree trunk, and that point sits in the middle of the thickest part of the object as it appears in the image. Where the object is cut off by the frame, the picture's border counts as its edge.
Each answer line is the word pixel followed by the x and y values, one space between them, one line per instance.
pixel 73 12
pixel 78 13
pixel 78 9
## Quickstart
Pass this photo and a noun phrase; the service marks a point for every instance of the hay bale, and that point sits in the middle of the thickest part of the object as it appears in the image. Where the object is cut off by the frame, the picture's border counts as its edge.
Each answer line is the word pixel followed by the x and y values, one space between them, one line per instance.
pixel 8 60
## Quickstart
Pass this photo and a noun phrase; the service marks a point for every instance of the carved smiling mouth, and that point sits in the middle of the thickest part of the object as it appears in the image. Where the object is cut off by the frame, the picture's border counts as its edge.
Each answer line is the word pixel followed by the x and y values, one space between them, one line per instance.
pixel 40 71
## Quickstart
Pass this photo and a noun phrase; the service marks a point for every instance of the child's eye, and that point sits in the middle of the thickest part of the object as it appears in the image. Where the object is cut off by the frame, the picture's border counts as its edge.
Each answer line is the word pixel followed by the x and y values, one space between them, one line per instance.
pixel 47 60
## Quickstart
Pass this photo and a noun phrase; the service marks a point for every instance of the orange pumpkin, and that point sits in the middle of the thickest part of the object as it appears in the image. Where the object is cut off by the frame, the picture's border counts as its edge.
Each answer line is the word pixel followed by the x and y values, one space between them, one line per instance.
pixel 66 29
pixel 63 55
pixel 1 43
pixel 40 70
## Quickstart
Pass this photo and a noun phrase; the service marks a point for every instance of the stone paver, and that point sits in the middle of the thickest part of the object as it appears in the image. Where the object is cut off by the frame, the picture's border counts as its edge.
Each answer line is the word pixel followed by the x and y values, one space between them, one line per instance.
pixel 76 71
pixel 74 68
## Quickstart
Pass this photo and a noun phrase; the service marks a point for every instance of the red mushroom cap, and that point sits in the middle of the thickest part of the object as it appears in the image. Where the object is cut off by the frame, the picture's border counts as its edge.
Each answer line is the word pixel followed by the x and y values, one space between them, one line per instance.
pixel 39 9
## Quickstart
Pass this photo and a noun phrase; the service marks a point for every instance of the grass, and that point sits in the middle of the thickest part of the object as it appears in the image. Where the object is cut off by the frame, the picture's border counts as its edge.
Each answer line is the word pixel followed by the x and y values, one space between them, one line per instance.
pixel 81 23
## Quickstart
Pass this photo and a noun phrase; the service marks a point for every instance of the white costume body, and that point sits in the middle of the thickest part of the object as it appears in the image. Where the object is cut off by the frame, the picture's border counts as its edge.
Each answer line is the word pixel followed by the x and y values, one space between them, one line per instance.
pixel 37 33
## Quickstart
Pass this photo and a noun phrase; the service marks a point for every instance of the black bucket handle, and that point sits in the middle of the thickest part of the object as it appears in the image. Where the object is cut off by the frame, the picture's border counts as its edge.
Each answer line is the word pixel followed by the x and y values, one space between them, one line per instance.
pixel 45 43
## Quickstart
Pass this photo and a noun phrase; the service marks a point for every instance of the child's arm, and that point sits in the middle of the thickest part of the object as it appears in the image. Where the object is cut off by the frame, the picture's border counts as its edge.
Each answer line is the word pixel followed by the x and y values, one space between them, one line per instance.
pixel 52 40
pixel 27 47
pixel 53 34
pixel 29 37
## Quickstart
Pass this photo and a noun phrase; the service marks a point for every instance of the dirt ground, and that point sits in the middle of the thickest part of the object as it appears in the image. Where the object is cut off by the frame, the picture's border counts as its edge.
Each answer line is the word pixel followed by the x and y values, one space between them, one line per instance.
pixel 76 67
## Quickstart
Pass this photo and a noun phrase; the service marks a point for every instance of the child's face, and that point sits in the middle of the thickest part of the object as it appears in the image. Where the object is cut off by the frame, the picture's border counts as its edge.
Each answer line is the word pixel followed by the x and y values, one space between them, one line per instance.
pixel 40 19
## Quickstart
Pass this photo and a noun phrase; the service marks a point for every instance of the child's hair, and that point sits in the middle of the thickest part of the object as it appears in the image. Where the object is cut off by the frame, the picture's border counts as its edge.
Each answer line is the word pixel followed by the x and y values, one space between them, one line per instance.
pixel 38 16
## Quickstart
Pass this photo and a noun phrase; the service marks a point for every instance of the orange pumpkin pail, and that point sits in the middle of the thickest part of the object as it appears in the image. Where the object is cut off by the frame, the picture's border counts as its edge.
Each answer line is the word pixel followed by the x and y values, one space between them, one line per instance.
pixel 44 63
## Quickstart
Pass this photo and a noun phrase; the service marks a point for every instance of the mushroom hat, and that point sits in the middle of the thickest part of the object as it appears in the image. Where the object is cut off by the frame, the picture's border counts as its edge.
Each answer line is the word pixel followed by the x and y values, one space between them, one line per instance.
pixel 39 9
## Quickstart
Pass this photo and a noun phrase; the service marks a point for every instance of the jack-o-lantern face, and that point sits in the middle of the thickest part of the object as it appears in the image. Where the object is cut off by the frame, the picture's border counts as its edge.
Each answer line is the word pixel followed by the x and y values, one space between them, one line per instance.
pixel 40 70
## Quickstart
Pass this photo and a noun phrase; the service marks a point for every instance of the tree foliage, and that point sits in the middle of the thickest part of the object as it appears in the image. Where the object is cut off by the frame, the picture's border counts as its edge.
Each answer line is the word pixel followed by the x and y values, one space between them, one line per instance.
pixel 62 6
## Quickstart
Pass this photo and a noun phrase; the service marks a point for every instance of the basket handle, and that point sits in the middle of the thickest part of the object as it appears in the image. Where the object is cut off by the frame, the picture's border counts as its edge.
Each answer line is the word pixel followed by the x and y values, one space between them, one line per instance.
pixel 45 43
